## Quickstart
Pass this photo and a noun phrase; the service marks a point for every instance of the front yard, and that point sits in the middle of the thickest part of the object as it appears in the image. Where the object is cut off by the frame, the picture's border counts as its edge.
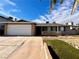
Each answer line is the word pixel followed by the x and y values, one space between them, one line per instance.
pixel 62 50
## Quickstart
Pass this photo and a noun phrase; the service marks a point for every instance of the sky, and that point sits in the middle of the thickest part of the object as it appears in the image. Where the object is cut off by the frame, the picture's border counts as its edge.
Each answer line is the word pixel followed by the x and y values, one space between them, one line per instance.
pixel 37 11
pixel 27 9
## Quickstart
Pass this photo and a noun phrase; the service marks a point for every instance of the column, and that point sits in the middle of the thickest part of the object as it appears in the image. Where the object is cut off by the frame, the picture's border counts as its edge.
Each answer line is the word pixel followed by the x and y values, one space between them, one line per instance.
pixel 49 29
pixel 57 29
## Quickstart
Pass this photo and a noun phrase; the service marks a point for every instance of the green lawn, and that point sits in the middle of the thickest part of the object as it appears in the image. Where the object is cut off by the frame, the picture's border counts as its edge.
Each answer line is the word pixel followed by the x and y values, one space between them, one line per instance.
pixel 63 49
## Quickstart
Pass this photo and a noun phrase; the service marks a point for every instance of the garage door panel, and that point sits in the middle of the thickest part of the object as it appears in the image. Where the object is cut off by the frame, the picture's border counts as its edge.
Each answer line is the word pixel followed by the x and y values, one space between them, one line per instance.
pixel 19 30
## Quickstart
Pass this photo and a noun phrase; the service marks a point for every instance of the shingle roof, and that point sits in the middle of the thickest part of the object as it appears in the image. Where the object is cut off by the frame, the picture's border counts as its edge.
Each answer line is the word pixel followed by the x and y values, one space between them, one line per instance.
pixel 3 17
pixel 6 18
pixel 49 24
pixel 18 22
pixel 22 21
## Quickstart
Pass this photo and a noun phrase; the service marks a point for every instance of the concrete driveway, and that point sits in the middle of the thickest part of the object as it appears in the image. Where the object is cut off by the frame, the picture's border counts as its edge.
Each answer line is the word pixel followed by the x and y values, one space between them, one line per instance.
pixel 22 48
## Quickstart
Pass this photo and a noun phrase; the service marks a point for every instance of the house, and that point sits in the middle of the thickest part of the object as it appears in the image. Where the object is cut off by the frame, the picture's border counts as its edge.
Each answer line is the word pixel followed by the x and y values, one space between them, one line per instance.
pixel 2 23
pixel 51 29
pixel 38 29
pixel 5 19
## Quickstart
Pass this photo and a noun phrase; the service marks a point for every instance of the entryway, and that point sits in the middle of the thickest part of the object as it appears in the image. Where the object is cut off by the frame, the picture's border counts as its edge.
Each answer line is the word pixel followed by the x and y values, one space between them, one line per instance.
pixel 38 31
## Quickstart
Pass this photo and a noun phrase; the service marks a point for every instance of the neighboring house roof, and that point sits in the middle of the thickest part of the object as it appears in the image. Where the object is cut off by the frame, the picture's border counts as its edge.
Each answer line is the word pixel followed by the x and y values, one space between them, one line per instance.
pixel 4 19
pixel 49 24
pixel 22 21
pixel 10 19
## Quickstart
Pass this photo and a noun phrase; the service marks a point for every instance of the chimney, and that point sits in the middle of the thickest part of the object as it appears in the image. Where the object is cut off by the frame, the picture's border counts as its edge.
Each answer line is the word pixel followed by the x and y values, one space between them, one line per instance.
pixel 47 22
pixel 54 22
pixel 15 19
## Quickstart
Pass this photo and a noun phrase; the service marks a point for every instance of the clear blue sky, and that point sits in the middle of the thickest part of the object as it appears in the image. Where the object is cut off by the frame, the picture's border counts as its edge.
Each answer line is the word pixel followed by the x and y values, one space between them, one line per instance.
pixel 27 9
pixel 31 9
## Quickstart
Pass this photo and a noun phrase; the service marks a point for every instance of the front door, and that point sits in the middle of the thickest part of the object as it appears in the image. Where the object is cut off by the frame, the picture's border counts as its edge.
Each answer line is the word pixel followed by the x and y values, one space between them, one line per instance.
pixel 38 31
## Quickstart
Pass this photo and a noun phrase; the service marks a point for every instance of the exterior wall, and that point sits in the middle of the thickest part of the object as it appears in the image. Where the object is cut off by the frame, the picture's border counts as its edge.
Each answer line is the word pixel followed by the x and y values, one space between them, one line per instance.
pixel 61 28
pixel 33 29
pixel 70 32
pixel 5 30
pixel 19 29
pixel 58 30
pixel 67 28
pixel 2 24
pixel 3 20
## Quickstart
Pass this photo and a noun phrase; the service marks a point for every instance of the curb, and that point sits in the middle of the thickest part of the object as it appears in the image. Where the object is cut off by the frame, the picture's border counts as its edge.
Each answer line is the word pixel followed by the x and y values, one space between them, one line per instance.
pixel 46 50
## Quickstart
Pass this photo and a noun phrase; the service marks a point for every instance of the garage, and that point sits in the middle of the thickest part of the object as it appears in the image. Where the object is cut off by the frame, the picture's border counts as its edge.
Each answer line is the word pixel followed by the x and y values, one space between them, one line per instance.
pixel 19 28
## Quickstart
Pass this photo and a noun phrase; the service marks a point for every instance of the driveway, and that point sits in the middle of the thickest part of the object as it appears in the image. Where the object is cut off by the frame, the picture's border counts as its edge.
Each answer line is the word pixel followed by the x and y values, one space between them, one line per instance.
pixel 21 48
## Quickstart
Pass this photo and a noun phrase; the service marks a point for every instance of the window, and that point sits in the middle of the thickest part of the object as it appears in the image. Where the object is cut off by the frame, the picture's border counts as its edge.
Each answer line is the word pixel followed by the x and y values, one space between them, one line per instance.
pixel 44 28
pixel 53 28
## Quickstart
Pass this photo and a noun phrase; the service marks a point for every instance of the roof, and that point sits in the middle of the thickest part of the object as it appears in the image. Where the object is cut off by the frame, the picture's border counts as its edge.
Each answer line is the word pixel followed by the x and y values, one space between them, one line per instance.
pixel 6 18
pixel 18 22
pixel 3 17
pixel 49 24
pixel 22 21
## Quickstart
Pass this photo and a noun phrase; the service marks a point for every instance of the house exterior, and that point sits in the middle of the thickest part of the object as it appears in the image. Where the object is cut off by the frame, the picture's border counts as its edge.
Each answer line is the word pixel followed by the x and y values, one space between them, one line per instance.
pixel 55 29
pixel 5 19
pixel 2 23
pixel 50 29
pixel 2 20
pixel 38 29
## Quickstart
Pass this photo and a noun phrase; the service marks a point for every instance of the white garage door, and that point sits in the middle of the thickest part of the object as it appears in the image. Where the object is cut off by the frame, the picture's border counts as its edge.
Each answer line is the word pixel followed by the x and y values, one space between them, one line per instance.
pixel 19 29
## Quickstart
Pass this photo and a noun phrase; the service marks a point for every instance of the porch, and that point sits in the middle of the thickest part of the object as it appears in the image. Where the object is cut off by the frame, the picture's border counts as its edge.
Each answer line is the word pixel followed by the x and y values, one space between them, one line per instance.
pixel 55 30
pixel 49 30
pixel 51 33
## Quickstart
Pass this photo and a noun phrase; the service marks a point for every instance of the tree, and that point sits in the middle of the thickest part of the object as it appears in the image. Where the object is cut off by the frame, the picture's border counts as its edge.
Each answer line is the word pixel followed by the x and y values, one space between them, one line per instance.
pixel 52 3
pixel 74 6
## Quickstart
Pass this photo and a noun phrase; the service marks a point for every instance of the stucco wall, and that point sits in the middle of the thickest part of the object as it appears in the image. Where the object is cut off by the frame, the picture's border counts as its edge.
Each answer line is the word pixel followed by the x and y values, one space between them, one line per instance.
pixel 70 32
